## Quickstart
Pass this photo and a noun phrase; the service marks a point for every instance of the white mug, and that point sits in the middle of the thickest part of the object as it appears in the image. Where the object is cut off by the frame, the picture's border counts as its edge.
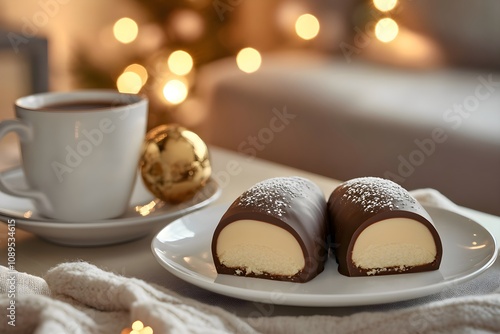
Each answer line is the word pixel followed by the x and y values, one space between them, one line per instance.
pixel 80 152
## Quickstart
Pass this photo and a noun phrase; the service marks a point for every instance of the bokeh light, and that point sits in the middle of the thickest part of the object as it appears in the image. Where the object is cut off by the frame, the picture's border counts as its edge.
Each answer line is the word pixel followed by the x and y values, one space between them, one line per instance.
pixel 248 60
pixel 385 5
pixel 129 82
pixel 307 26
pixel 137 325
pixel 175 91
pixel 386 30
pixel 139 70
pixel 180 62
pixel 137 328
pixel 188 24
pixel 125 30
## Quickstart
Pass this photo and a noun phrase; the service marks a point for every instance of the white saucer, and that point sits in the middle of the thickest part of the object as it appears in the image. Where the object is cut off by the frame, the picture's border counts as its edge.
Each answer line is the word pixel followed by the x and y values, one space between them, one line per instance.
pixel 184 249
pixel 144 213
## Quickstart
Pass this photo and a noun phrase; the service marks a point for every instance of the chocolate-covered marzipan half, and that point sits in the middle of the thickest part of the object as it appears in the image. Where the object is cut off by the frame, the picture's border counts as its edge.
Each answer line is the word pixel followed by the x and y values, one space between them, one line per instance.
pixel 378 228
pixel 276 230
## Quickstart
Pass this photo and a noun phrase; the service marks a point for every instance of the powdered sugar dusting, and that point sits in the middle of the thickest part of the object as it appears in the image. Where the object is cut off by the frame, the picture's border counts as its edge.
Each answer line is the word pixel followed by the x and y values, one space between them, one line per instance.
pixel 374 194
pixel 274 196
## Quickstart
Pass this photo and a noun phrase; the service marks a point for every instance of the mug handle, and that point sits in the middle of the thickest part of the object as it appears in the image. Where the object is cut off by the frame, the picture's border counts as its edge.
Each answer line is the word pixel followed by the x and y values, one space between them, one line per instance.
pixel 25 133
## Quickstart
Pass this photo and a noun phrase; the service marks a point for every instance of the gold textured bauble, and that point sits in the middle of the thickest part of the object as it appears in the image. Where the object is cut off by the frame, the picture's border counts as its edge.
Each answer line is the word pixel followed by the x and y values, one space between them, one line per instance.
pixel 175 163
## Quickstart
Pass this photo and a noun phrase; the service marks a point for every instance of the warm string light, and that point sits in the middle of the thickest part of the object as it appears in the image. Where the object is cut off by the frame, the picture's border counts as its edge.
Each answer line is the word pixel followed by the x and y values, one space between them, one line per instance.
pixel 385 5
pixel 129 82
pixel 139 70
pixel 125 30
pixel 248 60
pixel 132 79
pixel 170 75
pixel 137 328
pixel 174 87
pixel 175 91
pixel 180 62
pixel 386 29
pixel 307 26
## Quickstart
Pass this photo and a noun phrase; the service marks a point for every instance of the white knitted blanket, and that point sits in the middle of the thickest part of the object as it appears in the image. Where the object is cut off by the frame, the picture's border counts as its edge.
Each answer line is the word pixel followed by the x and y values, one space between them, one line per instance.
pixel 81 298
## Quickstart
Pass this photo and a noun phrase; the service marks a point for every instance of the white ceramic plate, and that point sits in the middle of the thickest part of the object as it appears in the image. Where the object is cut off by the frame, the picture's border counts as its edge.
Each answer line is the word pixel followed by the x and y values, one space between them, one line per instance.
pixel 144 213
pixel 183 248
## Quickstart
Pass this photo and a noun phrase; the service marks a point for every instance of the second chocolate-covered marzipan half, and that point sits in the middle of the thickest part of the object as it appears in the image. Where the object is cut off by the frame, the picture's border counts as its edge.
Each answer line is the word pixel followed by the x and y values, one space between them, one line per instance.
pixel 276 230
pixel 379 229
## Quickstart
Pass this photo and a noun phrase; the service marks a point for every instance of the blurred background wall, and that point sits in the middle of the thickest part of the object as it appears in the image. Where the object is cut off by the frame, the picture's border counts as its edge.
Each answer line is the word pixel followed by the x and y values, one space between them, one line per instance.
pixel 84 50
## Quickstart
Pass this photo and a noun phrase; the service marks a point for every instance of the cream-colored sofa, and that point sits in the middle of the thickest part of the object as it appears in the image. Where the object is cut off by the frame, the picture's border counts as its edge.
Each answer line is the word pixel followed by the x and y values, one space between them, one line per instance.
pixel 438 128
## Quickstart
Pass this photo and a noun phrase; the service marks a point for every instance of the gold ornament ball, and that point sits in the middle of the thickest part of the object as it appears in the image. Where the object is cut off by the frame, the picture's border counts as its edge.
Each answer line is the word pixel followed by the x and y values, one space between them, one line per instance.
pixel 175 163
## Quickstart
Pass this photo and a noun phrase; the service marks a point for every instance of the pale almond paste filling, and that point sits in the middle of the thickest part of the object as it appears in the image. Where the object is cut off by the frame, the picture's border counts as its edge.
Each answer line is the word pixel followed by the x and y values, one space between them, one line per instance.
pixel 394 242
pixel 259 248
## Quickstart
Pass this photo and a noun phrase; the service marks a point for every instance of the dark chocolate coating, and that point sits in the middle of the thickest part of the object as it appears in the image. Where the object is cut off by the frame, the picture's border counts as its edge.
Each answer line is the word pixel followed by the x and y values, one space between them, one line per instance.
pixel 356 204
pixel 292 203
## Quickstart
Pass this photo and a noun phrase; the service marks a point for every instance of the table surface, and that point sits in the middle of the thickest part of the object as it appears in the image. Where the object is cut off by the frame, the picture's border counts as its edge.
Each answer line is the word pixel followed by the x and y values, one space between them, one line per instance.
pixel 134 259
